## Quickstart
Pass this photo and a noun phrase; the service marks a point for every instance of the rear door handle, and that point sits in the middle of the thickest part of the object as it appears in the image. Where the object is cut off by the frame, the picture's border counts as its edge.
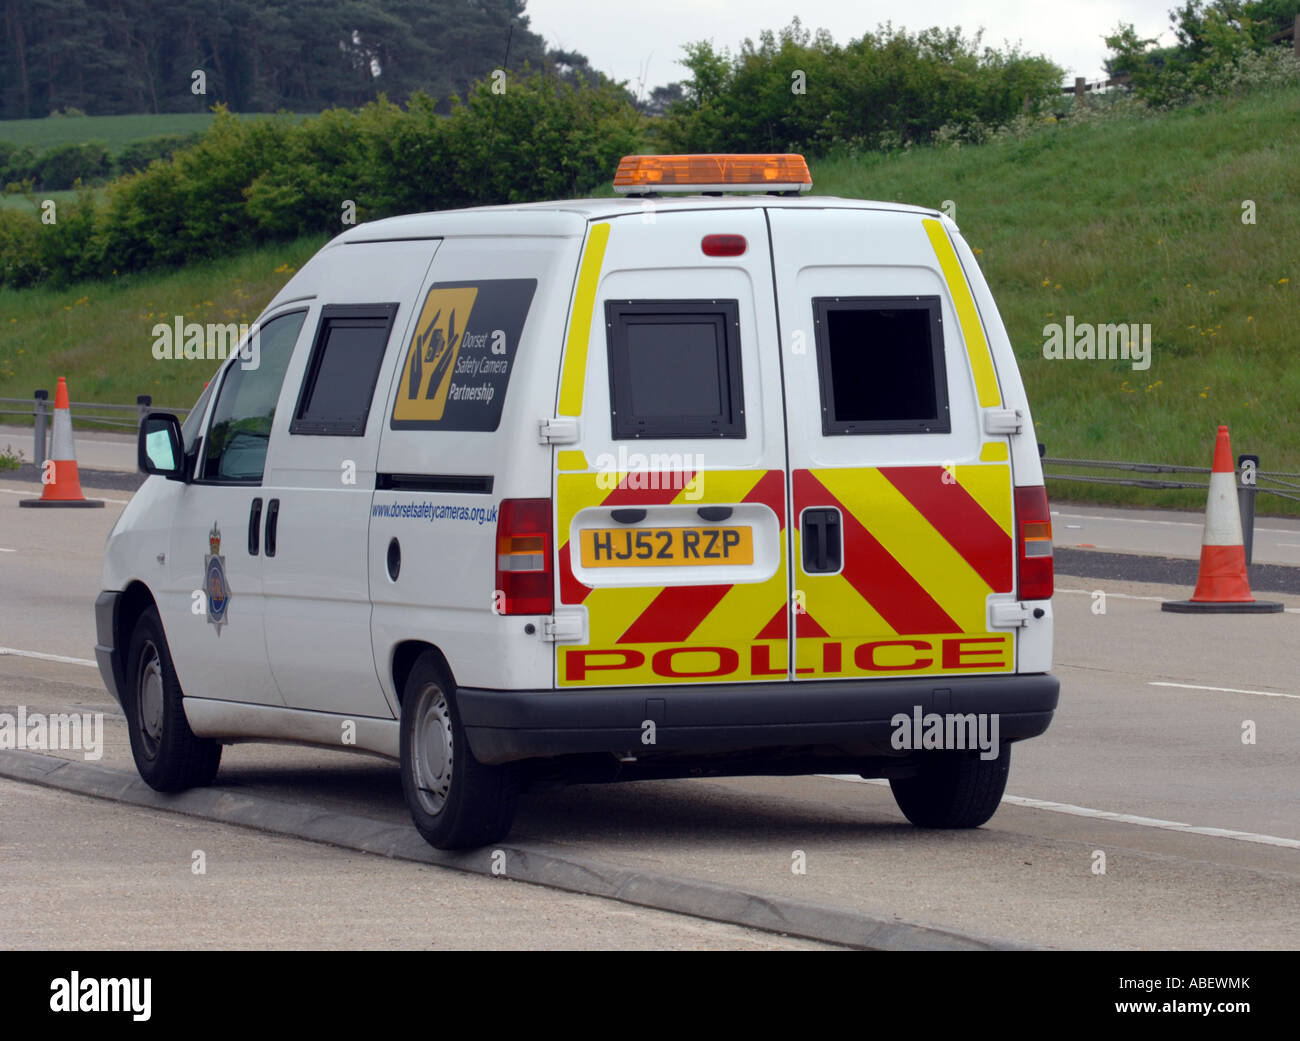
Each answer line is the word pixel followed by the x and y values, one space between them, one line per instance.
pixel 254 526
pixel 272 524
pixel 822 541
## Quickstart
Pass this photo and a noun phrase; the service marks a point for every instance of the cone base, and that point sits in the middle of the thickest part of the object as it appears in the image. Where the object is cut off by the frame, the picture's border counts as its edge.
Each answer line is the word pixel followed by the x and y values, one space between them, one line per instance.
pixel 82 503
pixel 1222 607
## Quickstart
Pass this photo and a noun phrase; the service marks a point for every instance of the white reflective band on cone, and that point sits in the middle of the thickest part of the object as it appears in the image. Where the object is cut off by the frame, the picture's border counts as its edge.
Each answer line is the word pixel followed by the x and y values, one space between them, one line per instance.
pixel 1222 516
pixel 61 447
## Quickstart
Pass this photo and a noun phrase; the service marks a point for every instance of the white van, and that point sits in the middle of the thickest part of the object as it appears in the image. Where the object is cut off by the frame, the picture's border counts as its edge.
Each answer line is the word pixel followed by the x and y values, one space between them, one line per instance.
pixel 716 478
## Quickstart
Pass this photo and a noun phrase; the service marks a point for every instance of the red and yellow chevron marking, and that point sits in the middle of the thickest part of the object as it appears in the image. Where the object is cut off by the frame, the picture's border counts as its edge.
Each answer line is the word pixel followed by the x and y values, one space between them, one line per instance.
pixel 674 634
pixel 923 549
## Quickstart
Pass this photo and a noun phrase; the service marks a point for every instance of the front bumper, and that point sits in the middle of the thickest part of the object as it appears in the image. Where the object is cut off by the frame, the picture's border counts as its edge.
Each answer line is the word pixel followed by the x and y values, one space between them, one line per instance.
pixel 505 726
pixel 107 653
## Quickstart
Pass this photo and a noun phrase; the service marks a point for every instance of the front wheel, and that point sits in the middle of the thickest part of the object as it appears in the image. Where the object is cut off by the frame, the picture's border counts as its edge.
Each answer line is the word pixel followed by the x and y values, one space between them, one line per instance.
pixel 953 789
pixel 168 755
pixel 456 802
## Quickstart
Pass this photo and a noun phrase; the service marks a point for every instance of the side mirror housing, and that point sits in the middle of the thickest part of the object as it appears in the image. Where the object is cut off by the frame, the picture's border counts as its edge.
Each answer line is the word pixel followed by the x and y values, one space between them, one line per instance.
pixel 159 448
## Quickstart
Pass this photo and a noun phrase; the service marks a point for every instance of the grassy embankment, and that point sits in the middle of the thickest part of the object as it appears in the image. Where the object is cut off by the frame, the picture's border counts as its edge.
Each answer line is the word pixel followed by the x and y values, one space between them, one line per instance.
pixel 1118 221
pixel 1137 220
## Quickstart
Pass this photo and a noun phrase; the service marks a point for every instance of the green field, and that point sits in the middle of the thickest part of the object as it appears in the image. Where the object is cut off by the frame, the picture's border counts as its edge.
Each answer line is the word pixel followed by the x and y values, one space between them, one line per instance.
pixel 1128 220
pixel 117 131
pixel 26 205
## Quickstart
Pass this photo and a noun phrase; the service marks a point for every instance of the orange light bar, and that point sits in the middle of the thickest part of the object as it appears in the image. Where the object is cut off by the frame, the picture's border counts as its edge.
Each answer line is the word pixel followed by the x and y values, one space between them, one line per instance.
pixel 677 173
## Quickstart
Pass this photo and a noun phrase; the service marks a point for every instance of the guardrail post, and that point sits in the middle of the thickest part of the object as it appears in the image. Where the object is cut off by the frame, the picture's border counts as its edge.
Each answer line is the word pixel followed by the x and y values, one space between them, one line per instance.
pixel 41 410
pixel 1247 488
pixel 143 403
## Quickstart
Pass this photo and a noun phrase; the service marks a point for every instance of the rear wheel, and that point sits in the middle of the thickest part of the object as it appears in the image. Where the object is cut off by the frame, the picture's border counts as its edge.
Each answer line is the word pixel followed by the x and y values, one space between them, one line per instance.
pixel 456 802
pixel 168 755
pixel 953 789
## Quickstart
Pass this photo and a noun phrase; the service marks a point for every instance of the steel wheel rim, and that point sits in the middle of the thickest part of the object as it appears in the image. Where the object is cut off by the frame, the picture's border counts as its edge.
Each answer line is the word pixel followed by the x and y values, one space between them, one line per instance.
pixel 433 749
pixel 149 698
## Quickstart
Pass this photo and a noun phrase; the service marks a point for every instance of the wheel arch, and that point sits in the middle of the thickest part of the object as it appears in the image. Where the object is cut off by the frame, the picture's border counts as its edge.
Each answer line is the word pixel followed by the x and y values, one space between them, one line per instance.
pixel 404 657
pixel 135 600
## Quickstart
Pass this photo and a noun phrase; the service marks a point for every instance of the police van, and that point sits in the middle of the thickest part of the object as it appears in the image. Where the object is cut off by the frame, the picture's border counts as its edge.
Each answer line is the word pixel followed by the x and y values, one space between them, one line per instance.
pixel 711 478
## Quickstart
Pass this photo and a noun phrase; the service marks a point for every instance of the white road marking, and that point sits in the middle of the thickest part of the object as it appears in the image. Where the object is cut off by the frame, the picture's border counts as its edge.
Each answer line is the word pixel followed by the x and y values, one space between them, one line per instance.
pixel 1117 596
pixel 1118 818
pixel 1144 520
pixel 1222 690
pixel 47 657
pixel 32 495
pixel 1131 520
pixel 3 550
pixel 1157 599
pixel 1152 822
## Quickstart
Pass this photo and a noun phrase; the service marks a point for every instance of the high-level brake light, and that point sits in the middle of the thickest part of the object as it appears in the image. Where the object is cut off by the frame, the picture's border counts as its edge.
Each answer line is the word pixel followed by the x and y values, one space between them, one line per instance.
pixel 712 173
pixel 723 245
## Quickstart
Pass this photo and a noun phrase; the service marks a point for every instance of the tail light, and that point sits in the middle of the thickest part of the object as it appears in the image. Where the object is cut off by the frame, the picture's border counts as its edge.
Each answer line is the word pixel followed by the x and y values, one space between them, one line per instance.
pixel 525 580
pixel 1033 544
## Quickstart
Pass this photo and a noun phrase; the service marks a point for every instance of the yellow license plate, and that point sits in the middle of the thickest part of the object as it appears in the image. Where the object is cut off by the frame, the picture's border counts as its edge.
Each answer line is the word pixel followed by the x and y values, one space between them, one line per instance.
pixel 665 547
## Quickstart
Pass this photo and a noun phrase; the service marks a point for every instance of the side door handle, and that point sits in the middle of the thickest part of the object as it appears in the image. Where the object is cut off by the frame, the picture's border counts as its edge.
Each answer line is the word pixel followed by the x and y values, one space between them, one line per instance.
pixel 254 526
pixel 272 524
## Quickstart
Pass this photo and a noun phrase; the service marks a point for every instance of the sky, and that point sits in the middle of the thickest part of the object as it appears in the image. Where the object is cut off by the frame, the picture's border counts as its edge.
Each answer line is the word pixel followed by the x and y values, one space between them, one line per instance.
pixel 641 42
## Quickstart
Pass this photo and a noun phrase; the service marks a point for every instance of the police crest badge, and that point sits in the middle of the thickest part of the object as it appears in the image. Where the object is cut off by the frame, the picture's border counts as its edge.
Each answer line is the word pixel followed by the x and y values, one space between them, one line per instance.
pixel 216 588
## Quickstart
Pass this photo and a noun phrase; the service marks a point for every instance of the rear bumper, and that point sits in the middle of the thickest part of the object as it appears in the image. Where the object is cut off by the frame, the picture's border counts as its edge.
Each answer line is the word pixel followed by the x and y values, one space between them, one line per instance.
pixel 107 654
pixel 505 726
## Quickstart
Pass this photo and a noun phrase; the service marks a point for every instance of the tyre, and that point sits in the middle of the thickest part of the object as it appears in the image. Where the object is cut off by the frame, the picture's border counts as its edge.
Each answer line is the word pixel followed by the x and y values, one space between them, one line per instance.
pixel 166 752
pixel 456 802
pixel 953 789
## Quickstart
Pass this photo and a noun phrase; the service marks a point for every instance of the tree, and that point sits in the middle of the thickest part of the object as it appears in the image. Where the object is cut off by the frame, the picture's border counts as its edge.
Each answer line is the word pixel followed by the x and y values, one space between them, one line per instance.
pixel 115 56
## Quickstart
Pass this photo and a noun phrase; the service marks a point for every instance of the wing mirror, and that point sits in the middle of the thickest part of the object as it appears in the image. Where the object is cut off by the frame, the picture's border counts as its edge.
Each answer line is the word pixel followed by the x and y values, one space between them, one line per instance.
pixel 159 448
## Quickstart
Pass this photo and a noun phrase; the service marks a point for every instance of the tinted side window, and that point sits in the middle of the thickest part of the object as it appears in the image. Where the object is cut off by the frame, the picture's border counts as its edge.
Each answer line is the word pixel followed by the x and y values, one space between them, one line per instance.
pixel 880 364
pixel 343 369
pixel 235 450
pixel 674 368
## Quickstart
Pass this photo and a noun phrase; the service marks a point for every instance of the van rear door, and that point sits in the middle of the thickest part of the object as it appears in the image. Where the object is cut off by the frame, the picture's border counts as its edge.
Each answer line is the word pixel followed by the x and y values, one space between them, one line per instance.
pixel 901 525
pixel 670 494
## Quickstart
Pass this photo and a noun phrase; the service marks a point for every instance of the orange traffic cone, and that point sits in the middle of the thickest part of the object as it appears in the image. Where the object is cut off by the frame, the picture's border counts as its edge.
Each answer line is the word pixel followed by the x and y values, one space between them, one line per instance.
pixel 60 477
pixel 1221 582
